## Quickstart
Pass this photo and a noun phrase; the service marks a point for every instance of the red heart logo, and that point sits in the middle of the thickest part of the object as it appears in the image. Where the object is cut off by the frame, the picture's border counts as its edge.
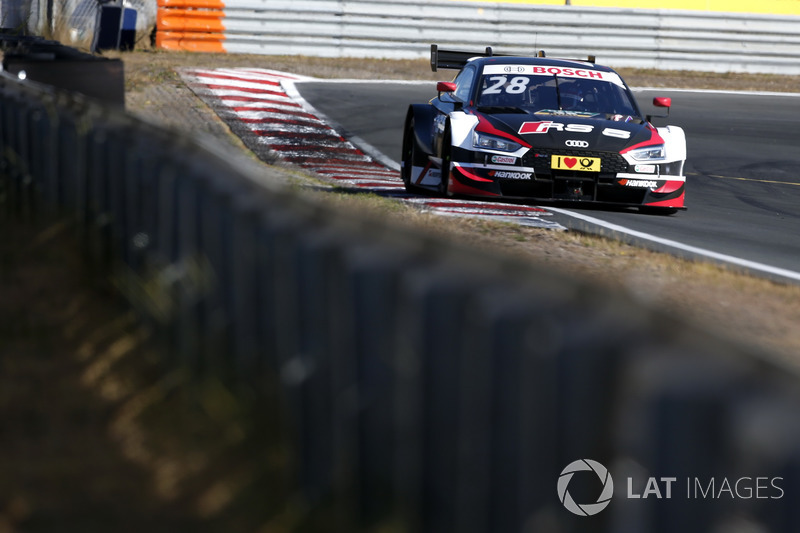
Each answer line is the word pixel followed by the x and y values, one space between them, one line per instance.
pixel 570 162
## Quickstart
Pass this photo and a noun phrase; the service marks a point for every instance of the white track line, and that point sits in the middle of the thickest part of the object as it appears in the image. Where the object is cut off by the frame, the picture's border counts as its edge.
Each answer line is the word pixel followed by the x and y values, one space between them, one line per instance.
pixel 738 261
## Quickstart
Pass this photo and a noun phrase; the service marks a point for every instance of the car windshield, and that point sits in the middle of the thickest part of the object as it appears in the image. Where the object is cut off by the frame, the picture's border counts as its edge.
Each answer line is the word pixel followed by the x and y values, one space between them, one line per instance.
pixel 557 95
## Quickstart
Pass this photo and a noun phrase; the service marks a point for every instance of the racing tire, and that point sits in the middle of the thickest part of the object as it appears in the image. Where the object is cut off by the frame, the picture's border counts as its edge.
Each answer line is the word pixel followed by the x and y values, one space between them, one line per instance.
pixel 447 159
pixel 410 158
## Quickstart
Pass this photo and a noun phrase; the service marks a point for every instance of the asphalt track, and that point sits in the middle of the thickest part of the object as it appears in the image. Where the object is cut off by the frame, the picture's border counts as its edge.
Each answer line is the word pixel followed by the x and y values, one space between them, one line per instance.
pixel 743 170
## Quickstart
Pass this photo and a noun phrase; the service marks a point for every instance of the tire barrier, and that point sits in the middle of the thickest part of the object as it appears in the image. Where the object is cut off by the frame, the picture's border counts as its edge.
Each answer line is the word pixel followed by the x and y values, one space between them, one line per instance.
pixel 428 386
pixel 619 37
pixel 115 28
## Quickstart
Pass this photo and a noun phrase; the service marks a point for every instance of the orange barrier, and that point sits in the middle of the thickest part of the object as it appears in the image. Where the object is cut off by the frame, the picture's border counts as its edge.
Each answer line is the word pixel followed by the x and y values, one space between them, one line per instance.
pixel 193 25
pixel 192 4
pixel 191 41
pixel 190 20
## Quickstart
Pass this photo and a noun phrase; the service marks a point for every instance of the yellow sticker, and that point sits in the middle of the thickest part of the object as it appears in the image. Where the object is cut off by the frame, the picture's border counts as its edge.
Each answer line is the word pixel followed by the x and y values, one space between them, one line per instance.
pixel 585 164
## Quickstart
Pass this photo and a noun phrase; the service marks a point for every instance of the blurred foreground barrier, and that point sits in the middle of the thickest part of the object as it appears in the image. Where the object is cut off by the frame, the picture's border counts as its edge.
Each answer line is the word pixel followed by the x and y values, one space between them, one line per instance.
pixel 640 38
pixel 51 63
pixel 428 387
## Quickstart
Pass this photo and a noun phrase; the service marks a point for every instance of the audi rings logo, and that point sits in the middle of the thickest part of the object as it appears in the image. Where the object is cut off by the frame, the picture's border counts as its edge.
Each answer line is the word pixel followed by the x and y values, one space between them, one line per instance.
pixel 577 144
pixel 585 509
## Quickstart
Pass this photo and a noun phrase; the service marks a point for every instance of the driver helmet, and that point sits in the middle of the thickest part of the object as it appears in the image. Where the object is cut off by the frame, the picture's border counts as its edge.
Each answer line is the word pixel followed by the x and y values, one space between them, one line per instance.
pixel 572 97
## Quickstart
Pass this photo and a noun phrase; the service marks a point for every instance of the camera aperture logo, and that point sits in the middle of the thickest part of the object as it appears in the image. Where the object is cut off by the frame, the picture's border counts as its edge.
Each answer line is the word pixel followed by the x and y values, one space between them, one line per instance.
pixel 585 465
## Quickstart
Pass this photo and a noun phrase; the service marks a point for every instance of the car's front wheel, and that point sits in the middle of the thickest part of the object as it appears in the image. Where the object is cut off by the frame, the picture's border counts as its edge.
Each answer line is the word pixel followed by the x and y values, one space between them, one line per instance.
pixel 447 161
pixel 410 157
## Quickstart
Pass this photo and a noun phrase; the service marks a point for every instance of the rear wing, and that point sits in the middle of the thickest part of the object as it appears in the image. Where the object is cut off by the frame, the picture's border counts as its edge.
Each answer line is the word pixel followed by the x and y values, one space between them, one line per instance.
pixel 456 59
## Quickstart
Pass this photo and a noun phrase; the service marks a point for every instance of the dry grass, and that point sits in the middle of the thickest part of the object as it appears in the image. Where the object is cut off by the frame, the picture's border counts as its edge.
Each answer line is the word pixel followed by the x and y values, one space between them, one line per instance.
pixel 752 311
pixel 146 66
pixel 96 436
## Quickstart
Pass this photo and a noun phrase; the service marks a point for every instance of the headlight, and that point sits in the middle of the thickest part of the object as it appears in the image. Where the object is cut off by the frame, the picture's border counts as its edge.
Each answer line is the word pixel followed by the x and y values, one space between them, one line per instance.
pixel 490 142
pixel 649 153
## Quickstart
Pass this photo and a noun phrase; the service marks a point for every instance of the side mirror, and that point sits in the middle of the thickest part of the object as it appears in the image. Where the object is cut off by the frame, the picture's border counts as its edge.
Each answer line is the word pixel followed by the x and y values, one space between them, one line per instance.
pixel 445 87
pixel 660 101
pixel 448 87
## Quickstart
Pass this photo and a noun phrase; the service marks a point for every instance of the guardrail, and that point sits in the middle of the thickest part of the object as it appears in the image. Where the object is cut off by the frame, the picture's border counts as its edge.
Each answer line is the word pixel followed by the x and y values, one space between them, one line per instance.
pixel 430 387
pixel 661 39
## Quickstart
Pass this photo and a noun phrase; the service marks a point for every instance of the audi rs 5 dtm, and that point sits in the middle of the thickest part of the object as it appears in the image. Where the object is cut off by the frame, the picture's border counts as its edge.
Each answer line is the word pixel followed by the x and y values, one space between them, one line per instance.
pixel 541 128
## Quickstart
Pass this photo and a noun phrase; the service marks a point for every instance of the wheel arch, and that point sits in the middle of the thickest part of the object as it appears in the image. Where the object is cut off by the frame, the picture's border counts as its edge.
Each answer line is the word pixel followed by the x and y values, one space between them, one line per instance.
pixel 674 142
pixel 423 125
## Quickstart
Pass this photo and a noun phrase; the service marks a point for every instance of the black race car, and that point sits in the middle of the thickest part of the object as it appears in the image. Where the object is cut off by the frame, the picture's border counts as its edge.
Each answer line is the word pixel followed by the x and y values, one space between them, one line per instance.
pixel 540 128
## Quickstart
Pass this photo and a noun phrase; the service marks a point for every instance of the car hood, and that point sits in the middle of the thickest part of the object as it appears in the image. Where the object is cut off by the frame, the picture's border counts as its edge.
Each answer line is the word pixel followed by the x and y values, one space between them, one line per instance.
pixel 574 132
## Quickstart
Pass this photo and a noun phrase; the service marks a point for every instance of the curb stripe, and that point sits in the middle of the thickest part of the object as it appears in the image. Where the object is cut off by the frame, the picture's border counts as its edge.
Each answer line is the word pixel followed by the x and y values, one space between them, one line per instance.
pixel 267 104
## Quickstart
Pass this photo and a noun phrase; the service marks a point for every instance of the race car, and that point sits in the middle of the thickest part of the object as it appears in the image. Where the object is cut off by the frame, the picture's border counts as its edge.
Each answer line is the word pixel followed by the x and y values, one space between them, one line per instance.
pixel 544 129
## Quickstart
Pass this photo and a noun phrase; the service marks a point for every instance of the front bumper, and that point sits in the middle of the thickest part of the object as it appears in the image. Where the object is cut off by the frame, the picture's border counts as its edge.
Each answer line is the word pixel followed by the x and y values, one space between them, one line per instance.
pixel 619 181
